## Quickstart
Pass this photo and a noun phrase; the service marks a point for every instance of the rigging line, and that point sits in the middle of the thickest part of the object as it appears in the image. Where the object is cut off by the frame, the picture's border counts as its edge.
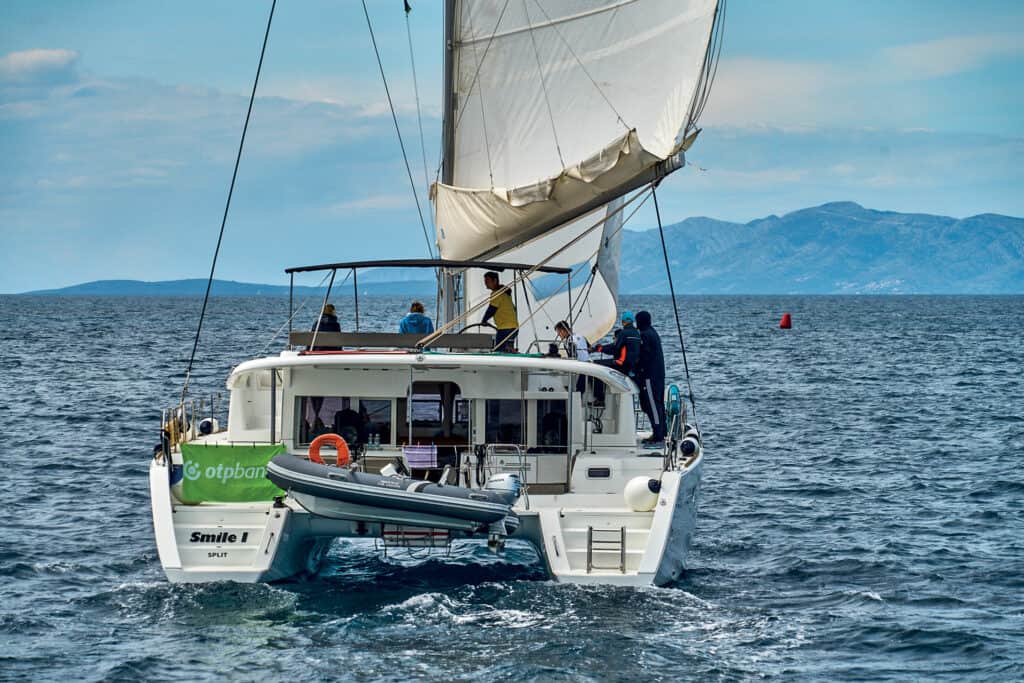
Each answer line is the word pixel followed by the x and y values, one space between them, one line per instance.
pixel 401 143
pixel 675 307
pixel 427 340
pixel 597 254
pixel 529 308
pixel 480 62
pixel 416 92
pixel 483 114
pixel 297 311
pixel 582 66
pixel 710 68
pixel 320 317
pixel 719 43
pixel 543 85
pixel 584 300
pixel 542 304
pixel 227 204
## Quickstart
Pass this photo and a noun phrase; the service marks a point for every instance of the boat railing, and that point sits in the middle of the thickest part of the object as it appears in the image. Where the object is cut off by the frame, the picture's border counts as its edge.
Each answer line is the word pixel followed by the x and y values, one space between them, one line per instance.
pixel 542 345
pixel 642 421
pixel 191 418
pixel 521 468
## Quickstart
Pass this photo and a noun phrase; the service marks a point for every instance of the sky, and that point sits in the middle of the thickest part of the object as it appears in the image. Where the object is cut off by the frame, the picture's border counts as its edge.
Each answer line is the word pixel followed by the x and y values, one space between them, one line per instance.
pixel 119 124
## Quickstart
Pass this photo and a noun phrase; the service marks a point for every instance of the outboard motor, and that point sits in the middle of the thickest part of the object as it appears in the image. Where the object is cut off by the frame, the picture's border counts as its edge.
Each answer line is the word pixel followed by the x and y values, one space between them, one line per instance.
pixel 506 483
pixel 509 486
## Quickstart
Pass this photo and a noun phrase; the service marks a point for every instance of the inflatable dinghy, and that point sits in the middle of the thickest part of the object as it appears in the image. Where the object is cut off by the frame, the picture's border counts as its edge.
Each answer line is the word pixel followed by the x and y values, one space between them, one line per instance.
pixel 346 494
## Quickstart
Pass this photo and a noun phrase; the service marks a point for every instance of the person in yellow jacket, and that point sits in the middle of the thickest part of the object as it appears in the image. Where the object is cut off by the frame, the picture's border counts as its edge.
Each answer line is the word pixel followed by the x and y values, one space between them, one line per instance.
pixel 503 310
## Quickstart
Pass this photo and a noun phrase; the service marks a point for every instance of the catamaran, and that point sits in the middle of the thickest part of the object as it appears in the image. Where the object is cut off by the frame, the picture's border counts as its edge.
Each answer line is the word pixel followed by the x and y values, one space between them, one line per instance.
pixel 559 120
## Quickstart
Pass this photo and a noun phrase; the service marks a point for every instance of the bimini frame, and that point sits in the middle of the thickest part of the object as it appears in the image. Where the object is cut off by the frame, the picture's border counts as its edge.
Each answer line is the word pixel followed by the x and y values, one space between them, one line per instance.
pixel 439 265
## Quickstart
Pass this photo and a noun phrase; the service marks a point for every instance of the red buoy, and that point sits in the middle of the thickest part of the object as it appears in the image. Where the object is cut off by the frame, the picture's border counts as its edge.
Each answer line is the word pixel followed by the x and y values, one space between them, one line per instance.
pixel 786 322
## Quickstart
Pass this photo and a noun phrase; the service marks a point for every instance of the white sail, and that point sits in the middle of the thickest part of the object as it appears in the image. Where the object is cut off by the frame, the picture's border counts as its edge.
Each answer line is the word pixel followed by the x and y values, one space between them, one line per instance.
pixel 560 106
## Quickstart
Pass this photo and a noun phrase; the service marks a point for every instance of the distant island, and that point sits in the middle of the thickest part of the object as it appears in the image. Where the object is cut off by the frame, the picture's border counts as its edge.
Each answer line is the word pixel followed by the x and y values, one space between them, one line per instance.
pixel 835 248
pixel 197 287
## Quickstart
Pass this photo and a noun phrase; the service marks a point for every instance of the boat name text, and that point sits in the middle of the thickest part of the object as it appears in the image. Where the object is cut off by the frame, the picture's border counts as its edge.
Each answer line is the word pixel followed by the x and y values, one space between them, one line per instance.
pixel 220 537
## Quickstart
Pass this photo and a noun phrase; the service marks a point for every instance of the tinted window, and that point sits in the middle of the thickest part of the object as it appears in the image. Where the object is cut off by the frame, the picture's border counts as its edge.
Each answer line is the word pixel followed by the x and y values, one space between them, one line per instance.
pixel 378 417
pixel 437 412
pixel 353 419
pixel 552 423
pixel 504 421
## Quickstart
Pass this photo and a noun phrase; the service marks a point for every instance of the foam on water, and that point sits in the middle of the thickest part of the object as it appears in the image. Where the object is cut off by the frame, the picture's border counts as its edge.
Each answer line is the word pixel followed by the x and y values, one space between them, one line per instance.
pixel 861 518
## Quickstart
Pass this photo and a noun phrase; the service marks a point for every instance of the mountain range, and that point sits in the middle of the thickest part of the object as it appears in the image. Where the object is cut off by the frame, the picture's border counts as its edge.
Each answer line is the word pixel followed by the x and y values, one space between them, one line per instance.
pixel 835 248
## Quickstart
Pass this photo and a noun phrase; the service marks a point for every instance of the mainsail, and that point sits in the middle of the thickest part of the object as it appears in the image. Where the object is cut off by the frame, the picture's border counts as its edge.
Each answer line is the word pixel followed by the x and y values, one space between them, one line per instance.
pixel 554 110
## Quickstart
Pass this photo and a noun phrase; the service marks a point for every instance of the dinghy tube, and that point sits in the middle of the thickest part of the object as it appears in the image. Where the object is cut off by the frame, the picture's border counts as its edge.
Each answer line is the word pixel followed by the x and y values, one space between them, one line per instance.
pixel 405 496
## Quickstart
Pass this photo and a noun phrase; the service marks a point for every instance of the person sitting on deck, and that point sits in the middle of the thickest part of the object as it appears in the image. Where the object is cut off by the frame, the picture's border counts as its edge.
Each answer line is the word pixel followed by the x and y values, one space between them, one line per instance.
pixel 503 310
pixel 415 321
pixel 327 322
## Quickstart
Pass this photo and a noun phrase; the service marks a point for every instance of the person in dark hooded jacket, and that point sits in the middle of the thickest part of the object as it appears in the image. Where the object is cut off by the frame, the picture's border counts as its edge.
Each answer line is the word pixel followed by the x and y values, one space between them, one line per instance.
pixel 650 371
pixel 327 322
pixel 624 352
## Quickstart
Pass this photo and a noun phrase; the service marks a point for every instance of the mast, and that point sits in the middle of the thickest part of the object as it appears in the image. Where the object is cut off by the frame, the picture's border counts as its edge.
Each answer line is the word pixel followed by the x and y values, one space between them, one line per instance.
pixel 449 281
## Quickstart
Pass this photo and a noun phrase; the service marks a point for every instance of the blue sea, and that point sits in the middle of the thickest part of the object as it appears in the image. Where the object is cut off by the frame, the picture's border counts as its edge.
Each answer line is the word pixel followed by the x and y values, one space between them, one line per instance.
pixel 862 516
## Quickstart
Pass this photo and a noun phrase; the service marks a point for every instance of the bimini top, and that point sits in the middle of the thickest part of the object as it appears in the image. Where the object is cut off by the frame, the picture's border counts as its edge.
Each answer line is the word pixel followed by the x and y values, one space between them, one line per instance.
pixel 430 263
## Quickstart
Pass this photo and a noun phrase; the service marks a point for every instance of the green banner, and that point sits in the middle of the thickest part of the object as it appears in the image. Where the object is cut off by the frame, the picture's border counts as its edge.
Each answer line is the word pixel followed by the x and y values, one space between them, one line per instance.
pixel 227 473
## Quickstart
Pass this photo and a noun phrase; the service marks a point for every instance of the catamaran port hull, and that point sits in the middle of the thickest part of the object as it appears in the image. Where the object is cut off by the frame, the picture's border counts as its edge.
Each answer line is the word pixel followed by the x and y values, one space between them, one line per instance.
pixel 577 540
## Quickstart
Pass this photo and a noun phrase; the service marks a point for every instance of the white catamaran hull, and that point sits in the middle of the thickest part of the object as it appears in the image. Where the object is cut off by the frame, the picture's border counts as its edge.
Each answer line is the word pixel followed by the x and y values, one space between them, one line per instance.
pixel 265 542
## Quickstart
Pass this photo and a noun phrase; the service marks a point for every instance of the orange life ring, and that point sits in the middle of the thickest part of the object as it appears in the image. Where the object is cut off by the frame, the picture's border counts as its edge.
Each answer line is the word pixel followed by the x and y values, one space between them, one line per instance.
pixel 336 441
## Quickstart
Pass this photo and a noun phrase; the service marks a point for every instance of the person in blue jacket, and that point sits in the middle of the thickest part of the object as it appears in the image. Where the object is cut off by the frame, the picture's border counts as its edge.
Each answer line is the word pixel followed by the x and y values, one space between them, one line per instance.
pixel 415 321
pixel 650 375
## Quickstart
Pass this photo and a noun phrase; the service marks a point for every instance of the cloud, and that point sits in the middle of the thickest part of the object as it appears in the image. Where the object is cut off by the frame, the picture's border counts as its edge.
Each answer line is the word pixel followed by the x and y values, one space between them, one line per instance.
pixel 749 91
pixel 379 202
pixel 361 96
pixel 762 178
pixel 949 56
pixel 145 166
pixel 38 66
pixel 757 171
pixel 880 89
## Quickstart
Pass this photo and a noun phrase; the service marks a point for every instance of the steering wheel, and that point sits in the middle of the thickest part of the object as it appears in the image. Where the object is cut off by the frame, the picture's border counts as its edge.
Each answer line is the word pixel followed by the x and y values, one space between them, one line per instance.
pixel 469 327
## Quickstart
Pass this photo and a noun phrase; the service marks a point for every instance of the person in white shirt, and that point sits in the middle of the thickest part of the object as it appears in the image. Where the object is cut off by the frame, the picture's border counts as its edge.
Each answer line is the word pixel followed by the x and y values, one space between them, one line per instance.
pixel 576 348
pixel 576 345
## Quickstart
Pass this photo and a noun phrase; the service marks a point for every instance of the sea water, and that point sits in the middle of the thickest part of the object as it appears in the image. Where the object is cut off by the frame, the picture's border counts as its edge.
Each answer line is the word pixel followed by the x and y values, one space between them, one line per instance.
pixel 862 515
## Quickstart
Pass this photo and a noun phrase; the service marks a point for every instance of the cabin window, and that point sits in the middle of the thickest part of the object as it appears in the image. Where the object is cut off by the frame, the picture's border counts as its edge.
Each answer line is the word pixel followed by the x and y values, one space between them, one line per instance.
pixel 351 418
pixel 378 418
pixel 504 421
pixel 436 412
pixel 552 425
